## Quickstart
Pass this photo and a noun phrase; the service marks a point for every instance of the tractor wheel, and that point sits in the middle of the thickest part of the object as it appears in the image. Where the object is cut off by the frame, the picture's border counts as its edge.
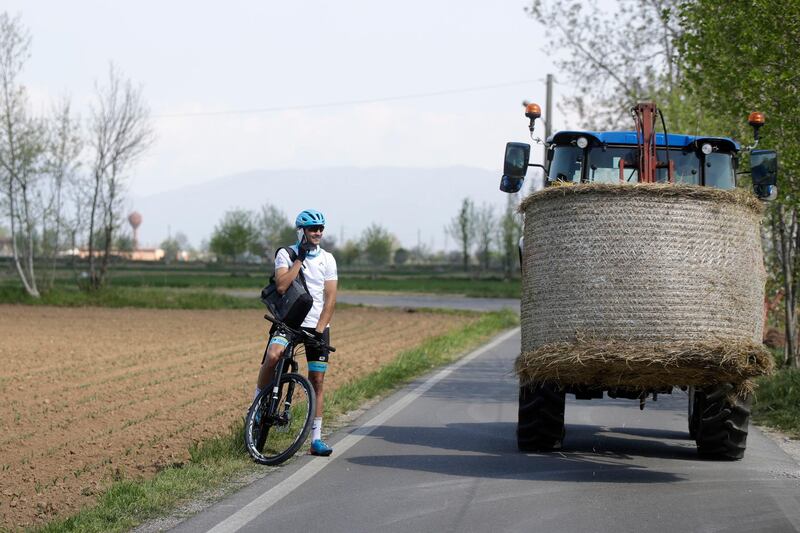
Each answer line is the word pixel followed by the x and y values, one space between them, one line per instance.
pixel 696 405
pixel 722 429
pixel 540 425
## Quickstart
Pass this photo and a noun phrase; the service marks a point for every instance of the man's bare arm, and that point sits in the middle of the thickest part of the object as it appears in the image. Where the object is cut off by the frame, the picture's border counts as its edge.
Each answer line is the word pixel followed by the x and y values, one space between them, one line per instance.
pixel 329 302
pixel 285 276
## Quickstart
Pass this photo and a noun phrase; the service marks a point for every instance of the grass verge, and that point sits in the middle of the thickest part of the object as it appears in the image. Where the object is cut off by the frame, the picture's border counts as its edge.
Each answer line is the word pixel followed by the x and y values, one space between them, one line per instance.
pixel 778 401
pixel 457 284
pixel 131 297
pixel 129 502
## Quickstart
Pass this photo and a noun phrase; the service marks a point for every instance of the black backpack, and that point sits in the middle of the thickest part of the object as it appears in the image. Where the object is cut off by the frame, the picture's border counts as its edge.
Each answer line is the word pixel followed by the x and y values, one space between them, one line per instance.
pixel 292 306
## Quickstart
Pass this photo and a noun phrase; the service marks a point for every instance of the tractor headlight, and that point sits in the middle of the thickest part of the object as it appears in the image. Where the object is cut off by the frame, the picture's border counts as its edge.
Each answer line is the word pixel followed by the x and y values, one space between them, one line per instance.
pixel 582 142
pixel 706 148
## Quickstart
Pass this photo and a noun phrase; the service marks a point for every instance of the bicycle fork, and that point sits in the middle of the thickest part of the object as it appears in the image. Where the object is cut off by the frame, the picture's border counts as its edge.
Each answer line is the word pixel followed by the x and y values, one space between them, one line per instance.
pixel 276 393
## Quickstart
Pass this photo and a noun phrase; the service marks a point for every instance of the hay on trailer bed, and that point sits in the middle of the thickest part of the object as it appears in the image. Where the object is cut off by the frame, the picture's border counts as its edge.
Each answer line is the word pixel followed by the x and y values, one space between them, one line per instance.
pixel 610 364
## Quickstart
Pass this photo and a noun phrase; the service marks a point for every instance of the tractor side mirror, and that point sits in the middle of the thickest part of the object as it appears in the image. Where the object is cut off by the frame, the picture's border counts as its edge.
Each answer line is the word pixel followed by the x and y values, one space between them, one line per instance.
pixel 764 169
pixel 515 166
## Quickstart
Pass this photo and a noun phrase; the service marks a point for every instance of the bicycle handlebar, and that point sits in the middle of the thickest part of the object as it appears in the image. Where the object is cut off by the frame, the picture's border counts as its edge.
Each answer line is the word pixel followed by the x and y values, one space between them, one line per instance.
pixel 301 333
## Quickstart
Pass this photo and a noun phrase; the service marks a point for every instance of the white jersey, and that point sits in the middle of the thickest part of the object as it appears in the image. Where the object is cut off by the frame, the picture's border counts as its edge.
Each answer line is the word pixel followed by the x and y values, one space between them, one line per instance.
pixel 316 270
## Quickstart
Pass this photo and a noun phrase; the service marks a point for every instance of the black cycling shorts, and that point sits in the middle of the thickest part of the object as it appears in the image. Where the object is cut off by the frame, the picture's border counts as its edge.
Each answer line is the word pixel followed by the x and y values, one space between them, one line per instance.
pixel 313 352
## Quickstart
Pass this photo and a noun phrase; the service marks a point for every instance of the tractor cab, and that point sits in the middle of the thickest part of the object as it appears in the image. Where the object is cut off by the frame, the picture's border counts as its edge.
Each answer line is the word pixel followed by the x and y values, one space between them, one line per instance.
pixel 613 157
pixel 642 156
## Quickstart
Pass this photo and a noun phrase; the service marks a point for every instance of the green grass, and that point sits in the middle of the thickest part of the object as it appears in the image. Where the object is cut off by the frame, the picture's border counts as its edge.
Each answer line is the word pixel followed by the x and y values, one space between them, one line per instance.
pixel 183 280
pixel 129 502
pixel 131 297
pixel 778 401
pixel 124 287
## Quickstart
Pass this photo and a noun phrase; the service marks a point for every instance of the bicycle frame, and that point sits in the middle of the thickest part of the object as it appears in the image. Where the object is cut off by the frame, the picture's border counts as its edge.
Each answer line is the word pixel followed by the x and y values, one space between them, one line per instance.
pixel 286 358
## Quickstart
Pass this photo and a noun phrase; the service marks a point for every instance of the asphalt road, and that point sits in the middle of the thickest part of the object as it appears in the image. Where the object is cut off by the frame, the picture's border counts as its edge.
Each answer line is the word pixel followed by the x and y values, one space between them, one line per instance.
pixel 440 455
pixel 439 301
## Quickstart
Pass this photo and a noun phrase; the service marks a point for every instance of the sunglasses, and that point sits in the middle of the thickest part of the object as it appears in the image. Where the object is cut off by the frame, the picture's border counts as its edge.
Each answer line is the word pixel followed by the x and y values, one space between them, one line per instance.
pixel 315 228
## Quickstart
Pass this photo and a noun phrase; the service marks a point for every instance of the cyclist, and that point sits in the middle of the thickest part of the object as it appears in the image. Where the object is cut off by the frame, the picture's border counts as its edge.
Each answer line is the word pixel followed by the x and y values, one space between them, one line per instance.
pixel 319 271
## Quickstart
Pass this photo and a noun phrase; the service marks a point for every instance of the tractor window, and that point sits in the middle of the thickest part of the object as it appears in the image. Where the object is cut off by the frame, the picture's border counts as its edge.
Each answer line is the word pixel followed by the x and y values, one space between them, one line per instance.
pixel 719 171
pixel 686 165
pixel 604 165
pixel 566 164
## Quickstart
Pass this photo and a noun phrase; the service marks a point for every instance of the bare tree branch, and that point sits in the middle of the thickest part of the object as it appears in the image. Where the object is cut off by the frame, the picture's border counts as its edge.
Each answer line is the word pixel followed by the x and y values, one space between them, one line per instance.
pixel 120 132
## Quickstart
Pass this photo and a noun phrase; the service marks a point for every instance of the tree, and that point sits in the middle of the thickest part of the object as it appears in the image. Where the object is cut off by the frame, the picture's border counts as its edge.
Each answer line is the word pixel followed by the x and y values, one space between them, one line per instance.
pixel 124 242
pixel 738 58
pixel 377 243
pixel 401 256
pixel 235 235
pixel 613 59
pixel 63 147
pixel 275 229
pixel 510 228
pixel 349 253
pixel 173 246
pixel 462 229
pixel 330 244
pixel 21 147
pixel 485 233
pixel 421 253
pixel 120 133
pixel 37 156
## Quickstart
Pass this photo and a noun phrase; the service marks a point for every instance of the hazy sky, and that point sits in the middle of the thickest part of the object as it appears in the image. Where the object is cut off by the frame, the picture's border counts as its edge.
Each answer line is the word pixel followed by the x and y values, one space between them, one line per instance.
pixel 243 86
pixel 196 57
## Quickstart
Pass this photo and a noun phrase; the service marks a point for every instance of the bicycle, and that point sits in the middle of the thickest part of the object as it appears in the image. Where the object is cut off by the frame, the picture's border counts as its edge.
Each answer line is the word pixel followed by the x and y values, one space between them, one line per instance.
pixel 280 418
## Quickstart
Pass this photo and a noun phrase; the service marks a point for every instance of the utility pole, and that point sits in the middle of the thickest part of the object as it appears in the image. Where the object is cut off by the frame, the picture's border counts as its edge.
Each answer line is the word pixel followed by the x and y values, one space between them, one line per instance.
pixel 548 121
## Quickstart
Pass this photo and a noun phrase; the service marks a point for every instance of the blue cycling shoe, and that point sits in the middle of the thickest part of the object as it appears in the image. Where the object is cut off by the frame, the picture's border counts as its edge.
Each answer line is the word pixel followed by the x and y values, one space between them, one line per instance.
pixel 318 447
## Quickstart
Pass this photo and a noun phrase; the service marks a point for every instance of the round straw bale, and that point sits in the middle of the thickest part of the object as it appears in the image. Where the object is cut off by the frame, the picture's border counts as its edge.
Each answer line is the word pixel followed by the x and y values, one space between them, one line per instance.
pixel 649 269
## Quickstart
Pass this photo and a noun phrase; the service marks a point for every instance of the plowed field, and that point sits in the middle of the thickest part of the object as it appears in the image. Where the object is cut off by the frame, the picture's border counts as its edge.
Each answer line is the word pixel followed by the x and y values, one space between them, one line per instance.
pixel 89 395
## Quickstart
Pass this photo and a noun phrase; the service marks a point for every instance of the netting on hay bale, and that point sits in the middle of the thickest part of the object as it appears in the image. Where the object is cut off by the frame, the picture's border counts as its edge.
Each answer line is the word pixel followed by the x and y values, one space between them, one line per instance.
pixel 639 286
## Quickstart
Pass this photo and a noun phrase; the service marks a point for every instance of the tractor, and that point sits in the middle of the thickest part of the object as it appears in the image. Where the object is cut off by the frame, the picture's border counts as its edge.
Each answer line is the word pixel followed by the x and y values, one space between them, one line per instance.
pixel 717 418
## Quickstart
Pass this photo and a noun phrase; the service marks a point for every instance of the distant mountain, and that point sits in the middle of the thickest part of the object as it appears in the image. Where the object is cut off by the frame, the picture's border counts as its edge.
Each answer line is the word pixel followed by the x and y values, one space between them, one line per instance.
pixel 412 203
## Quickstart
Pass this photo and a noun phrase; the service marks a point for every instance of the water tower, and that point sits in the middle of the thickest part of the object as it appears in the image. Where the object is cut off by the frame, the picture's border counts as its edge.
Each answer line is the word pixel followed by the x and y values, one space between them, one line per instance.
pixel 135 219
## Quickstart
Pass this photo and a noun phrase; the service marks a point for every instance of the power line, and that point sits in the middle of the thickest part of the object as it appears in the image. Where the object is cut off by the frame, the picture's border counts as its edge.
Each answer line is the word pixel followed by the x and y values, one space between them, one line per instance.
pixel 342 103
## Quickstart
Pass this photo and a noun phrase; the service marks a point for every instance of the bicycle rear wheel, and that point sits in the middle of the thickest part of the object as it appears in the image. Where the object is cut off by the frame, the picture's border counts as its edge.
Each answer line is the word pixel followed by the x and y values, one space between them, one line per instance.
pixel 273 437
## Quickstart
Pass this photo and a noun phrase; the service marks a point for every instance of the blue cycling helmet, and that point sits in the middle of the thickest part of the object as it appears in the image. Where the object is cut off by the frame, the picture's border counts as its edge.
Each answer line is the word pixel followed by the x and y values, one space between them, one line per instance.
pixel 309 217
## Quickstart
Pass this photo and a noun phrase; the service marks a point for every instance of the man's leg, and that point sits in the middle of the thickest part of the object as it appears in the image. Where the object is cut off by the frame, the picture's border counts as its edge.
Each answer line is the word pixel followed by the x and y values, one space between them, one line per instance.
pixel 318 446
pixel 317 365
pixel 275 348
pixel 317 380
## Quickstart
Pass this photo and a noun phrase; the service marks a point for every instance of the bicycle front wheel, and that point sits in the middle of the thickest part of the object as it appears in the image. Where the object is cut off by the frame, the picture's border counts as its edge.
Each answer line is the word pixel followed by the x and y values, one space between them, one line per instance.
pixel 274 431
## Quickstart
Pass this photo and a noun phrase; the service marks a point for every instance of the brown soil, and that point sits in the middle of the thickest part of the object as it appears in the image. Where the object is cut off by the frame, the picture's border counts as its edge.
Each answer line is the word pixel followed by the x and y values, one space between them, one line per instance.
pixel 90 395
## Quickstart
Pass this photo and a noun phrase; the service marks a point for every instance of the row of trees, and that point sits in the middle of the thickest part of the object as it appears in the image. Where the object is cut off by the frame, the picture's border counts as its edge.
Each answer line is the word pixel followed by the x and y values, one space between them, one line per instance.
pixel 490 237
pixel 62 180
pixel 482 231
pixel 707 64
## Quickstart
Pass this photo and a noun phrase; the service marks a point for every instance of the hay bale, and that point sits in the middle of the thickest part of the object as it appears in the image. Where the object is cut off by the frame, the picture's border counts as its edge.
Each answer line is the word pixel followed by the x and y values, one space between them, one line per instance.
pixel 642 286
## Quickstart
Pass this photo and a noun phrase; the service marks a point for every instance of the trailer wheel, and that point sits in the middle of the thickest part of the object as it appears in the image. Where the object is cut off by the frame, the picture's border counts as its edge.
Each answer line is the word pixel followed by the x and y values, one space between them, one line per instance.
pixel 722 430
pixel 540 425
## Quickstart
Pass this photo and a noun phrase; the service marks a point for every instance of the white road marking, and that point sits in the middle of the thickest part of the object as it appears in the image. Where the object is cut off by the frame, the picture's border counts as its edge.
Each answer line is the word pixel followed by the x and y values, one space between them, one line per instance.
pixel 253 509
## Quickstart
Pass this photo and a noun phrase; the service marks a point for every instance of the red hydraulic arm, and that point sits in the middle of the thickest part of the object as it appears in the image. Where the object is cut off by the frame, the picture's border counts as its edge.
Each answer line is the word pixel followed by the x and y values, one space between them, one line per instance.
pixel 644 115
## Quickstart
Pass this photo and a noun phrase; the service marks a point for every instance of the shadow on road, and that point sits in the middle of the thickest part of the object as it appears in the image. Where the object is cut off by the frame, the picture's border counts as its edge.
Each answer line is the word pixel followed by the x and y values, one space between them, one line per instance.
pixel 590 454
